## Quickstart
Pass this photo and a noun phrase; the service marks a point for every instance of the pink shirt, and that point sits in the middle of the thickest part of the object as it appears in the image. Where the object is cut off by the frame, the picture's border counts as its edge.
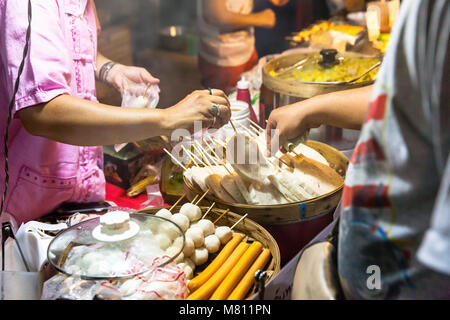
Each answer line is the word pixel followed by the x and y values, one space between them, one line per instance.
pixel 61 60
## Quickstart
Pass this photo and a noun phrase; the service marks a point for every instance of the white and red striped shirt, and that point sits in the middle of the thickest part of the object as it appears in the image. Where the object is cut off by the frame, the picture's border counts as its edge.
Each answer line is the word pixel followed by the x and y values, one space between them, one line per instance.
pixel 397 167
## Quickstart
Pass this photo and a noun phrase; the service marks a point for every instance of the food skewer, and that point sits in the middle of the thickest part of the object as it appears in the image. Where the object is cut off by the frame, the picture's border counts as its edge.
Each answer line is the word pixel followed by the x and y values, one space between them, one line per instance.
pixel 212 150
pixel 174 159
pixel 193 160
pixel 237 222
pixel 192 156
pixel 234 128
pixel 178 201
pixel 203 155
pixel 224 213
pixel 204 194
pixel 209 209
pixel 217 163
pixel 255 124
pixel 195 198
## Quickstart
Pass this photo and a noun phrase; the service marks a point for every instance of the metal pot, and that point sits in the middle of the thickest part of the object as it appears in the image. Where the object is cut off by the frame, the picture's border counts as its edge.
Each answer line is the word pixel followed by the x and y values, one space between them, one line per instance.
pixel 277 92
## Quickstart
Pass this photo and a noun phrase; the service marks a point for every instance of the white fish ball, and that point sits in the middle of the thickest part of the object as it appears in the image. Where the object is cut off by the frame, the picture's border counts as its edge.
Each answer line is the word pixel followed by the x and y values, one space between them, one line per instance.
pixel 187 269
pixel 207 226
pixel 212 243
pixel 181 220
pixel 164 213
pixel 172 251
pixel 189 247
pixel 189 262
pixel 224 234
pixel 191 211
pixel 163 241
pixel 200 256
pixel 170 230
pixel 196 234
pixel 178 242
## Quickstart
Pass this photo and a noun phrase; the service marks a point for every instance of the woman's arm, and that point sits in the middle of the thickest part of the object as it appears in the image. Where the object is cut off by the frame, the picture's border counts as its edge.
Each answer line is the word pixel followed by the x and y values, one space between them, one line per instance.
pixel 216 13
pixel 82 122
pixel 343 109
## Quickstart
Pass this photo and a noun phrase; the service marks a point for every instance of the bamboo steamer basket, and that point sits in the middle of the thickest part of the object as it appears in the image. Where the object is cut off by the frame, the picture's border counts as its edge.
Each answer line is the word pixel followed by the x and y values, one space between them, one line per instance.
pixel 268 214
pixel 251 230
pixel 292 225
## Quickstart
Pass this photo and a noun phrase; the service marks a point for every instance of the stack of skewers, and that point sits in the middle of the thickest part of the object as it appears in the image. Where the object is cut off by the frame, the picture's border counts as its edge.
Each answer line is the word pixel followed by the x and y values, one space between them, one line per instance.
pixel 249 176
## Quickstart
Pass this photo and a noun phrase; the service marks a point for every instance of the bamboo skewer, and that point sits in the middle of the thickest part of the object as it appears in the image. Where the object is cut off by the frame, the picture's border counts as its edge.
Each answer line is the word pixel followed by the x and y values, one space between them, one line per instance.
pixel 237 222
pixel 192 155
pixel 234 128
pixel 221 163
pixel 175 159
pixel 195 198
pixel 201 198
pixel 224 213
pixel 193 160
pixel 203 152
pixel 178 201
pixel 255 124
pixel 206 159
pixel 209 209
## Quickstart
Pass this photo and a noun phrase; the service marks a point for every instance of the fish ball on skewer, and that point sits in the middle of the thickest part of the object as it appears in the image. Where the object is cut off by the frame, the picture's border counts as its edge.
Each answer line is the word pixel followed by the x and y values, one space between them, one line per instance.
pixel 200 256
pixel 207 226
pixel 212 243
pixel 197 236
pixel 224 234
pixel 188 271
pixel 188 267
pixel 191 211
pixel 163 241
pixel 189 247
pixel 172 251
pixel 181 220
pixel 164 213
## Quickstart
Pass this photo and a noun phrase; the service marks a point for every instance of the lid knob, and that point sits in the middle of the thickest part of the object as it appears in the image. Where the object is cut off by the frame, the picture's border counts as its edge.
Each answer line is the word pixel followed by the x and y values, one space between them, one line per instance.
pixel 115 226
pixel 328 58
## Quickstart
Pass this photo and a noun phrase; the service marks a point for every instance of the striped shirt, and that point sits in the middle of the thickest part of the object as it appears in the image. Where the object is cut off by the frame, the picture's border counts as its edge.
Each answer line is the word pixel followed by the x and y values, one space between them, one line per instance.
pixel 398 166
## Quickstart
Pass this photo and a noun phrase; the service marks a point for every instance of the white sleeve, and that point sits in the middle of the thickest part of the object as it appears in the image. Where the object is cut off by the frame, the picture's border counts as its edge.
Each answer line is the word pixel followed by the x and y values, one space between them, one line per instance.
pixel 434 251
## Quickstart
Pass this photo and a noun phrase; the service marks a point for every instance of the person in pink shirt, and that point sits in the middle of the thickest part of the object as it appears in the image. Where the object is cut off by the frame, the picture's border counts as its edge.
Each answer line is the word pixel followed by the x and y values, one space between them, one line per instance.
pixel 57 123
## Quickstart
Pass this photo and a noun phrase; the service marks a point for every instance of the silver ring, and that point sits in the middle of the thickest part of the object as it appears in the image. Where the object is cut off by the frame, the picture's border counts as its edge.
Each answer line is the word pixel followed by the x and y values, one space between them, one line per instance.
pixel 214 122
pixel 210 91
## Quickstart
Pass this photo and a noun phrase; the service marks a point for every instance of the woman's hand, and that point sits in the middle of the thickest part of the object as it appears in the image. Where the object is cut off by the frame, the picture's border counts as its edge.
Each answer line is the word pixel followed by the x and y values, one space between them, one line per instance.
pixel 198 107
pixel 287 123
pixel 121 77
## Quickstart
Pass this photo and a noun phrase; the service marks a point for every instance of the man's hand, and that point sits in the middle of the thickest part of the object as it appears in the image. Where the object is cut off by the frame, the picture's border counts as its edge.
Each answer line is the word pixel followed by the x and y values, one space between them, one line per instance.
pixel 288 122
pixel 122 77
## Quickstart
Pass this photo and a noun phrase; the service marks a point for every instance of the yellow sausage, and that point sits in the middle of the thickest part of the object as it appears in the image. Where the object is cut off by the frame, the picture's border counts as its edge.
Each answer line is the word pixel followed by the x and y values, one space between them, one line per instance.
pixel 247 281
pixel 238 271
pixel 207 289
pixel 218 261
